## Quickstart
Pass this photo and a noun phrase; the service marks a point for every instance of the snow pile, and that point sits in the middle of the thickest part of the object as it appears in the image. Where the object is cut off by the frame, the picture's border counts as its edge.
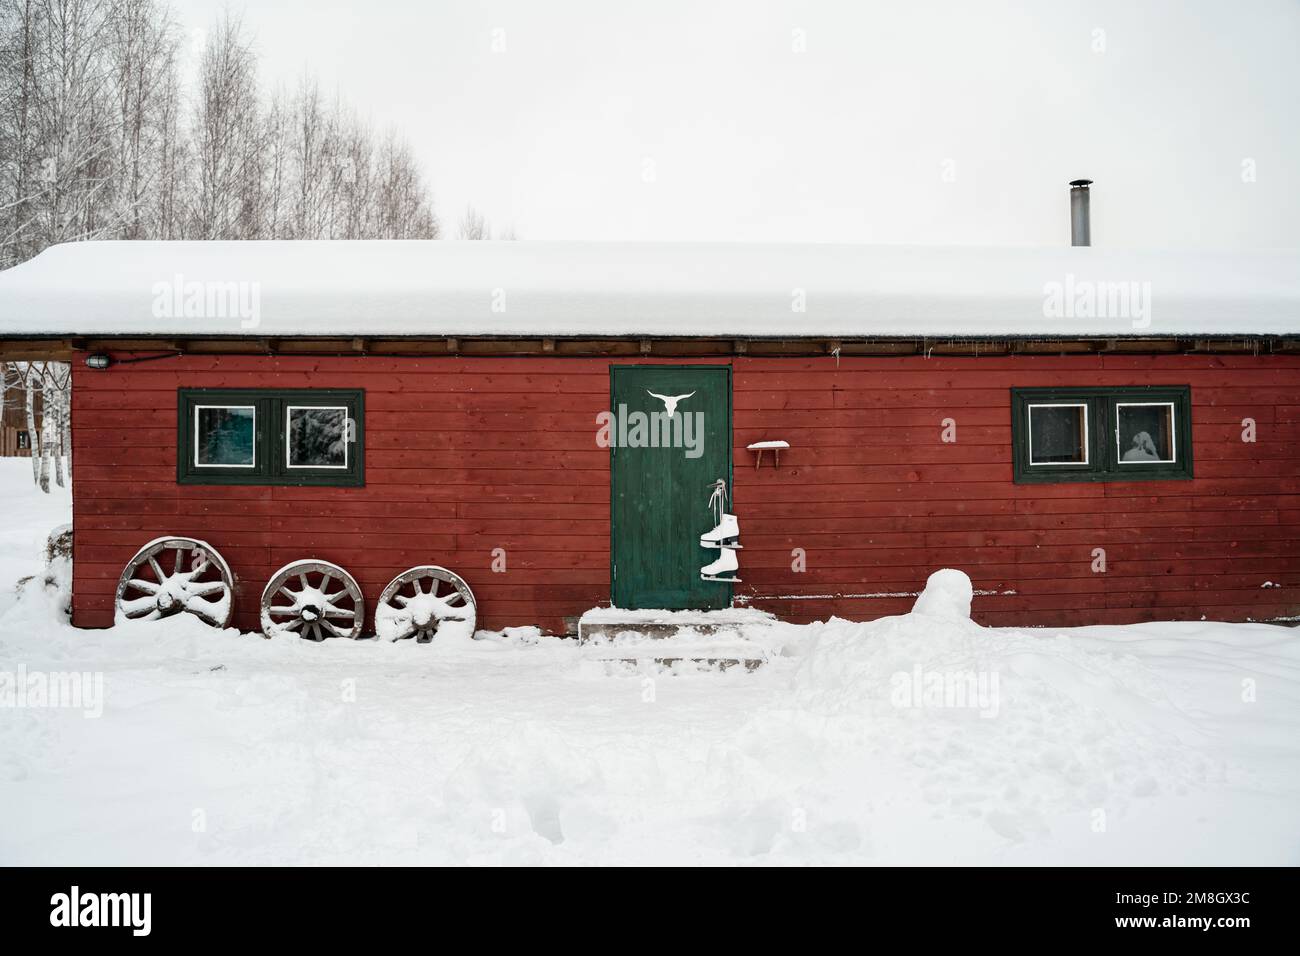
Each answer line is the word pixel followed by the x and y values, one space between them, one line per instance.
pixel 947 594
pixel 849 667
pixel 1007 728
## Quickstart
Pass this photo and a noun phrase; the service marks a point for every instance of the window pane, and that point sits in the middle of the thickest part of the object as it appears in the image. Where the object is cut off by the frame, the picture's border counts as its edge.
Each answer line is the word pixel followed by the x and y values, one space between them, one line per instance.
pixel 317 438
pixel 1058 434
pixel 1145 433
pixel 224 436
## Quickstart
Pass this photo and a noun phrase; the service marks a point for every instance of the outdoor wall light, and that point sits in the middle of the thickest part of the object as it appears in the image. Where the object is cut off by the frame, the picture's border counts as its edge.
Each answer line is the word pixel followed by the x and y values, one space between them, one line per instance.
pixel 98 360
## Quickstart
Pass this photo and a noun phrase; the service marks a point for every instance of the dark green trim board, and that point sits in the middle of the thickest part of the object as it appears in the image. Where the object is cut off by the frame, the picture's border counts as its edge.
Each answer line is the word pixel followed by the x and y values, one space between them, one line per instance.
pixel 270 437
pixel 659 496
pixel 1105 461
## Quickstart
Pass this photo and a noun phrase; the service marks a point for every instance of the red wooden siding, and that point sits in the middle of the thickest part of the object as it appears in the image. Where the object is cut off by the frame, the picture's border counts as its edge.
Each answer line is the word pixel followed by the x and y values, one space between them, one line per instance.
pixel 878 501
pixel 465 455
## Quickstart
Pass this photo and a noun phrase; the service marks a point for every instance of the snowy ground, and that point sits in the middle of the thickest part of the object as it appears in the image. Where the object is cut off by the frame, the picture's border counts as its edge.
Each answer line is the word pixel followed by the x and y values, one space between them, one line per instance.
pixel 1160 744
pixel 26 519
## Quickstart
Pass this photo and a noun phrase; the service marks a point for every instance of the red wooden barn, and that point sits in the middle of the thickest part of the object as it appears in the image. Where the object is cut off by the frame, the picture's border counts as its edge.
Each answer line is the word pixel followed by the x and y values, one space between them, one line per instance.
pixel 1094 436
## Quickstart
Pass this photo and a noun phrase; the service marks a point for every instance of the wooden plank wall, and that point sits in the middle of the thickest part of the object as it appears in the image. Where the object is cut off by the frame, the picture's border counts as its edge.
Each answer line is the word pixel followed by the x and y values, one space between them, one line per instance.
pixel 9 442
pixel 463 456
pixel 13 418
pixel 878 500
pixel 467 455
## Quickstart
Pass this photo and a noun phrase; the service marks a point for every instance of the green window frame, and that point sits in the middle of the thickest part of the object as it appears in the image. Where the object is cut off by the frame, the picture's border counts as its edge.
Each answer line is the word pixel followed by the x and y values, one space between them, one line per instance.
pixel 1169 458
pixel 270 444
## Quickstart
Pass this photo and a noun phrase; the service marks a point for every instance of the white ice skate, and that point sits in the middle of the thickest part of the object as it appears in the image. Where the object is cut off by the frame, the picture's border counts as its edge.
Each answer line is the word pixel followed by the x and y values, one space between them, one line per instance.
pixel 722 569
pixel 725 535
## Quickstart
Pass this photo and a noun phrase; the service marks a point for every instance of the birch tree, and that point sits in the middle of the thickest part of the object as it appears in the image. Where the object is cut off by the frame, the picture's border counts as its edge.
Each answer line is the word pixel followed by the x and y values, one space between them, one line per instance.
pixel 142 59
pixel 227 137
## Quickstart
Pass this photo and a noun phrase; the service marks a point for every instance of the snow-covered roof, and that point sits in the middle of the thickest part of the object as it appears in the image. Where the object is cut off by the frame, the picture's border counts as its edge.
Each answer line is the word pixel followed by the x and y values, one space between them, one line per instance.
pixel 437 288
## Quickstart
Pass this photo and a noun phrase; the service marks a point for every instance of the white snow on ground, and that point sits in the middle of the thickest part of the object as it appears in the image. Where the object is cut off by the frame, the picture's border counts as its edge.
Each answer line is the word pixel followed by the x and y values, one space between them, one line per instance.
pixel 1163 743
pixel 26 518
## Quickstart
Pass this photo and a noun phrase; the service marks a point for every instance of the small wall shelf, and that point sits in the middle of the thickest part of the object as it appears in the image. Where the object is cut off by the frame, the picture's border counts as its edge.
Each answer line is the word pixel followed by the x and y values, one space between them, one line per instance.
pixel 773 446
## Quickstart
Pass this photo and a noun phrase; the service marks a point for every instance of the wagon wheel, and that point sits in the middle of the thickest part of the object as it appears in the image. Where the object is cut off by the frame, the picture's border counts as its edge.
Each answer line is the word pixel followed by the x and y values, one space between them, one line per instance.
pixel 424 602
pixel 199 582
pixel 315 600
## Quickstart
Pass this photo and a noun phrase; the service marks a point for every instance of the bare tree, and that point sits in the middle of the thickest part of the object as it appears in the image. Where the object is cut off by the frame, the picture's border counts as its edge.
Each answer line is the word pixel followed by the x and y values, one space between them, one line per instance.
pixel 17 130
pixel 173 149
pixel 74 124
pixel 401 199
pixel 227 137
pixel 473 225
pixel 142 57
pixel 99 139
pixel 277 168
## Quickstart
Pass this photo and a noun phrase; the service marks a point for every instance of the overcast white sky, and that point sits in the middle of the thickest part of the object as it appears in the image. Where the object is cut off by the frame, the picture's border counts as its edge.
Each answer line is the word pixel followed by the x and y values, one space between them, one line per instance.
pixel 854 139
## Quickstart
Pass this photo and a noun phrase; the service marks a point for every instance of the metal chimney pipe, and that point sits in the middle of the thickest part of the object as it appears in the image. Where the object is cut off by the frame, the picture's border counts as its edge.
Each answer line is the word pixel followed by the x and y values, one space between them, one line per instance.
pixel 1080 216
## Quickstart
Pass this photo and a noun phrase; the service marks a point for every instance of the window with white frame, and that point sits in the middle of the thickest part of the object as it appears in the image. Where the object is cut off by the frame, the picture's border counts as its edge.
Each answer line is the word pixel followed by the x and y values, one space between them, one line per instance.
pixel 1124 433
pixel 1144 433
pixel 225 436
pixel 317 436
pixel 1058 433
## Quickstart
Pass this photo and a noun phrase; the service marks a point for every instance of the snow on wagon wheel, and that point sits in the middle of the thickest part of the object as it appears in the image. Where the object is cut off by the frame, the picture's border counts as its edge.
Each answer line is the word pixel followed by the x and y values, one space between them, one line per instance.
pixel 425 602
pixel 313 599
pixel 199 582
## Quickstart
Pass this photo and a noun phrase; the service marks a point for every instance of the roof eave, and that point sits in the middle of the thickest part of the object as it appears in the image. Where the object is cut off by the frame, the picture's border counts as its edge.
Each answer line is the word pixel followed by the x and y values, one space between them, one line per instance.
pixel 64 347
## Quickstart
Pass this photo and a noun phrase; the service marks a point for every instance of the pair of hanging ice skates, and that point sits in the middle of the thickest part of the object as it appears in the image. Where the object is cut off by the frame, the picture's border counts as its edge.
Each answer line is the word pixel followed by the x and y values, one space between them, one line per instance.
pixel 725 537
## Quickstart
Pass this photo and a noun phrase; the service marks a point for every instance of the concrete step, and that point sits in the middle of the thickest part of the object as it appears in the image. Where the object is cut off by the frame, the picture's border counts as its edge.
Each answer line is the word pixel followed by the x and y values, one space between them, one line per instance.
pixel 714 640
pixel 611 622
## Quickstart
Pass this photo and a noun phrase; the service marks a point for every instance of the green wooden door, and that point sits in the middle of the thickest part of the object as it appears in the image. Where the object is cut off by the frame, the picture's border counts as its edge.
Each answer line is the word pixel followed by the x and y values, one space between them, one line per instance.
pixel 660 472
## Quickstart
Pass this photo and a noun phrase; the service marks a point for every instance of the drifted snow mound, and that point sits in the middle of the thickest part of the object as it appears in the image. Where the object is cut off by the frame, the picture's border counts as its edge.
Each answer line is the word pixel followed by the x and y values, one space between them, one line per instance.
pixel 947 594
pixel 1009 726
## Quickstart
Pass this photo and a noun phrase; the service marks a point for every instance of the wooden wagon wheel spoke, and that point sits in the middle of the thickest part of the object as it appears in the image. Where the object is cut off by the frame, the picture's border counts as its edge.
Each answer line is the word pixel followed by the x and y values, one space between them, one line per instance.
pixel 206 590
pixel 424 614
pixel 312 606
pixel 205 612
pixel 137 607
